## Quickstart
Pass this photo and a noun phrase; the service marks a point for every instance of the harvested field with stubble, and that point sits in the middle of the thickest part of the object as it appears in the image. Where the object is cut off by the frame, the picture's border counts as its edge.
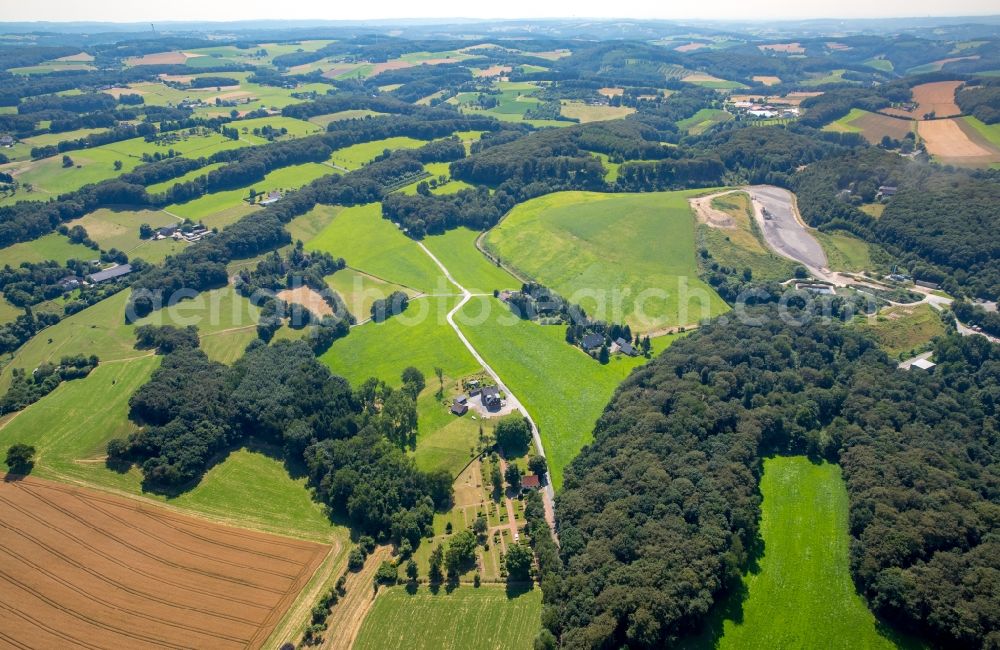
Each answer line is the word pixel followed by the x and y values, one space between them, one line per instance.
pixel 308 298
pixel 937 97
pixel 955 142
pixel 87 569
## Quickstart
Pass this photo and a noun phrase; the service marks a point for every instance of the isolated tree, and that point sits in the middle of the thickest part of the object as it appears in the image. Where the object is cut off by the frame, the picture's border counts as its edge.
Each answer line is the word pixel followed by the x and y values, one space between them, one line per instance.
pixel 518 563
pixel 604 356
pixel 411 571
pixel 67 161
pixel 496 478
pixel 118 165
pixel 145 231
pixel 435 573
pixel 537 465
pixel 440 375
pixel 20 458
pixel 413 382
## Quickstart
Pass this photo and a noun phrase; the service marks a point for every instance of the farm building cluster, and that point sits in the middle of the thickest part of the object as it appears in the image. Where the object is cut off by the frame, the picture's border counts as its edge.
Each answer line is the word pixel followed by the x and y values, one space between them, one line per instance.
pixel 764 111
pixel 177 233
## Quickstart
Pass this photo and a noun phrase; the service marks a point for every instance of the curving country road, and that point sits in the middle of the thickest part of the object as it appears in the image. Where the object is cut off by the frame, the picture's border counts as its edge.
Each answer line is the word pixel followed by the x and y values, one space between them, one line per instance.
pixel 776 214
pixel 547 492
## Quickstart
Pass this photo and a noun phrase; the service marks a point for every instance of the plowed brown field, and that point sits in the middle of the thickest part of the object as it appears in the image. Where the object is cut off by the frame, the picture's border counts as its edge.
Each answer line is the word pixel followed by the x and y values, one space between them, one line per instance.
pixel 937 97
pixel 85 569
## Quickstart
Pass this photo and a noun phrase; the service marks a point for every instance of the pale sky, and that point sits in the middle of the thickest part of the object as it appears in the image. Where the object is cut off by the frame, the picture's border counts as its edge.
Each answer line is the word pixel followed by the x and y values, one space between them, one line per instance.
pixel 225 10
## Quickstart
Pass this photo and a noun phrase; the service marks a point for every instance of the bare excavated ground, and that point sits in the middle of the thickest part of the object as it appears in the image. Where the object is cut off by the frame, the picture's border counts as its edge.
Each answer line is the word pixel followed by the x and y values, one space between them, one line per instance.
pixel 706 214
pixel 86 569
pixel 308 298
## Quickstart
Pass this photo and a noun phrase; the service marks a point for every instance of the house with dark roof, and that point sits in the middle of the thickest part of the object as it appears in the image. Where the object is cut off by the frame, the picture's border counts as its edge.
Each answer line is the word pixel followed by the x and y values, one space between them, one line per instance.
pixel 70 282
pixel 491 398
pixel 623 346
pixel 591 341
pixel 530 482
pixel 110 274
pixel 459 408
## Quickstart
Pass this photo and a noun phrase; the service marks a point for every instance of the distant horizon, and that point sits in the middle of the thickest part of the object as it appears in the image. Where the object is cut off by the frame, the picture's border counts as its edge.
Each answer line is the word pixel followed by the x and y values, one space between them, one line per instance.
pixel 469 19
pixel 188 11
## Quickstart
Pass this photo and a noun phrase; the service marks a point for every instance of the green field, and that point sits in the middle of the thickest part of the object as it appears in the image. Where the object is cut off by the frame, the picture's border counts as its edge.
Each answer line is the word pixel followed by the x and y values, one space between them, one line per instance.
pixel 703 120
pixel 567 397
pixel 741 247
pixel 296 128
pixel 799 594
pixel 219 209
pixel 248 488
pixel 358 155
pixel 48 177
pixel 47 247
pixel 879 63
pixel 375 245
pixel 844 251
pixel 834 76
pixel 844 124
pixel 45 139
pixel 437 171
pixel 306 226
pixel 156 188
pixel 8 312
pixel 226 322
pixel 457 251
pixel 593 113
pixel 120 229
pixel 624 257
pixel 419 337
pixel 359 291
pixel 902 330
pixel 466 619
pixel 324 120
pixel 991 132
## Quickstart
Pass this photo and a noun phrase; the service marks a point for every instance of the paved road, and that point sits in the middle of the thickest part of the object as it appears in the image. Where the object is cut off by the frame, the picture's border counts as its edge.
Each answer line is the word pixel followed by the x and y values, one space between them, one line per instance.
pixel 783 229
pixel 548 493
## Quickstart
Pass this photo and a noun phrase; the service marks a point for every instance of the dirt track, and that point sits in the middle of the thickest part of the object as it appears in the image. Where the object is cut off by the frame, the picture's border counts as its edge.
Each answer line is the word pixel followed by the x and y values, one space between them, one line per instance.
pixel 708 215
pixel 86 569
pixel 350 612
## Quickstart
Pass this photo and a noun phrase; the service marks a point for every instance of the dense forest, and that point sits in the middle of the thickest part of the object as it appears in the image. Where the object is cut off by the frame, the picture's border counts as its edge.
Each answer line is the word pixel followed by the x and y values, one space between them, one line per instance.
pixel 658 516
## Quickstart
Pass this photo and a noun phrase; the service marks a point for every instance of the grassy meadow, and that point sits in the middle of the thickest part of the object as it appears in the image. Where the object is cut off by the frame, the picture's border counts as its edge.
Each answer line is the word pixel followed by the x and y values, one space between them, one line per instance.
pixel 376 246
pixel 903 329
pixel 844 251
pixel 247 488
pixel 219 209
pixel 568 397
pixel 358 155
pixel 468 618
pixel 457 251
pixel 120 229
pixel 624 257
pixel 703 120
pixel 47 247
pixel 799 593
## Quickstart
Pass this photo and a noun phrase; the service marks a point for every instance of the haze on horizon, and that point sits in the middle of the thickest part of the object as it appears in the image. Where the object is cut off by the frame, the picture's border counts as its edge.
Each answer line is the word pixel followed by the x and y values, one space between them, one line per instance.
pixel 232 10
